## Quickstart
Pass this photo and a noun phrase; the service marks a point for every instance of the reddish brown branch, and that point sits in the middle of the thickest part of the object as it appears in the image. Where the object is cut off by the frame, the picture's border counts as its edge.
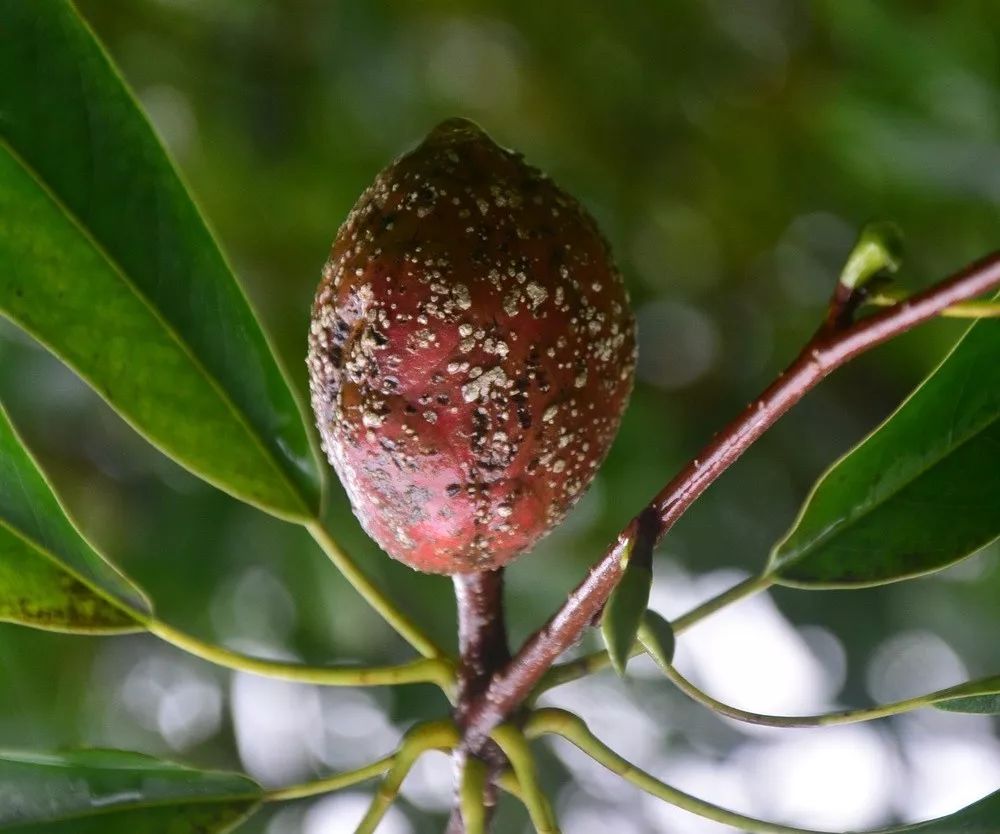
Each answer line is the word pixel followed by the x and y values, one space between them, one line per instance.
pixel 836 343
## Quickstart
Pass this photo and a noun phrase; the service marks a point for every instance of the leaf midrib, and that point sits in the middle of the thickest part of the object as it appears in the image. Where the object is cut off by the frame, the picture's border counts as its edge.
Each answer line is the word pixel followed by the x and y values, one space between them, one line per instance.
pixel 47 553
pixel 974 689
pixel 172 332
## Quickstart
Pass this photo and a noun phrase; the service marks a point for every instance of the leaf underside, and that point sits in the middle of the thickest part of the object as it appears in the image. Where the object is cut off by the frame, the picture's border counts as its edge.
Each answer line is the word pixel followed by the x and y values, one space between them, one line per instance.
pixel 117 792
pixel 982 696
pixel 105 260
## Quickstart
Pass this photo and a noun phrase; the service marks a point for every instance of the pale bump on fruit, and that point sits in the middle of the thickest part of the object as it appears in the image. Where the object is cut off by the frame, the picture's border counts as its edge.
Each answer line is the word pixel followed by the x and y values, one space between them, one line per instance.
pixel 471 352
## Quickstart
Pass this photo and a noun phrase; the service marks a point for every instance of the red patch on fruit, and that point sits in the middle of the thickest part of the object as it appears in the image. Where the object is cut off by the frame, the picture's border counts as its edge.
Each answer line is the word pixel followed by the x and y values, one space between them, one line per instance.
pixel 471 351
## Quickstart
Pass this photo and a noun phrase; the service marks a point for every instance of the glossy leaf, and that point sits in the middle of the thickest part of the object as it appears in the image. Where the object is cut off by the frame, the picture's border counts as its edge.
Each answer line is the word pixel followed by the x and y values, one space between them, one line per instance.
pixel 981 697
pixel 50 577
pixel 624 610
pixel 117 792
pixel 657 637
pixel 919 493
pixel 106 261
pixel 979 818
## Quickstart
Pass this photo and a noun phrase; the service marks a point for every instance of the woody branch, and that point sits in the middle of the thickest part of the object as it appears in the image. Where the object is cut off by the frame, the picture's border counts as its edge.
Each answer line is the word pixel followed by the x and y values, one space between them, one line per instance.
pixel 839 340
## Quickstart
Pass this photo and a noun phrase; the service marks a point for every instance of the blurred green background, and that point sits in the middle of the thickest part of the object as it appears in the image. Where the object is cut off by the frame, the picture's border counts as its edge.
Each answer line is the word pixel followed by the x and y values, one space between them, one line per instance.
pixel 730 149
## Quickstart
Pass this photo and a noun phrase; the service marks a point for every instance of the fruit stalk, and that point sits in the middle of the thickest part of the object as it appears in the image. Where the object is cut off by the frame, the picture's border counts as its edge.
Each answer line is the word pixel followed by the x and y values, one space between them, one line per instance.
pixel 483 650
pixel 482 634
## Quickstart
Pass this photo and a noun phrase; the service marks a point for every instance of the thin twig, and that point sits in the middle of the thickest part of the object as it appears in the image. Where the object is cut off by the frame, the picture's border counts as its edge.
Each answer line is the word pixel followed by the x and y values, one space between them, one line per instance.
pixel 596 661
pixel 330 783
pixel 836 343
pixel 431 735
pixel 572 728
pixel 430 670
pixel 847 716
pixel 963 310
pixel 748 587
pixel 473 786
pixel 514 744
pixel 372 594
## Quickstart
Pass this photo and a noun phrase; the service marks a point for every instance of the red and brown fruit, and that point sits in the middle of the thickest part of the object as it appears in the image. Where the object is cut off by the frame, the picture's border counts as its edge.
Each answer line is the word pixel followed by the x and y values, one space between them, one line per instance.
pixel 470 354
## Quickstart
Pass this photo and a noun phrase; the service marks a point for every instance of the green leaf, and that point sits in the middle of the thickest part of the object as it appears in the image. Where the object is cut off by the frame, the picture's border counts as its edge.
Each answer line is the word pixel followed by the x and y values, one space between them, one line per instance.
pixel 979 818
pixel 919 493
pixel 108 263
pixel 624 611
pixel 982 696
pixel 117 792
pixel 50 577
pixel 657 637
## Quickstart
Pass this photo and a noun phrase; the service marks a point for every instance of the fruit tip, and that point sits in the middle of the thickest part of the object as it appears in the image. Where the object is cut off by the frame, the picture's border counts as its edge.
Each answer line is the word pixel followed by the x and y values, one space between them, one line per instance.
pixel 455 128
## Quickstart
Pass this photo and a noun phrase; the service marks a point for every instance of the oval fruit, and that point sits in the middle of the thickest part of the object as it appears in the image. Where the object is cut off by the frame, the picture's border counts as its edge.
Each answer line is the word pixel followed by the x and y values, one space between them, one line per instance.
pixel 471 351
